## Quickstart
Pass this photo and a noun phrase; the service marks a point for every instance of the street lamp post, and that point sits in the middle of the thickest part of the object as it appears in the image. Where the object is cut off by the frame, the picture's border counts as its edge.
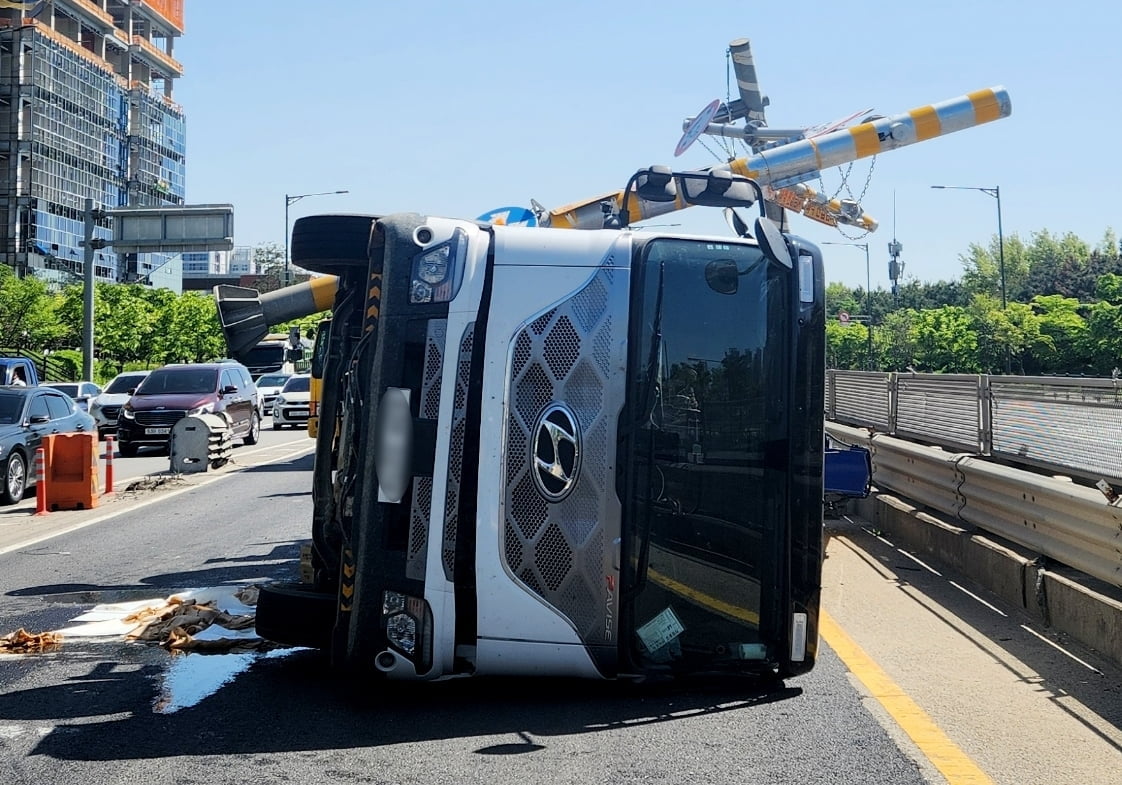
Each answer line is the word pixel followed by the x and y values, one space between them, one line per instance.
pixel 995 192
pixel 868 298
pixel 290 200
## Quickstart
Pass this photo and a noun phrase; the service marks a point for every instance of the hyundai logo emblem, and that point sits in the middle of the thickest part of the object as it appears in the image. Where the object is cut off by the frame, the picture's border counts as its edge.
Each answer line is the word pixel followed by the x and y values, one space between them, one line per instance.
pixel 556 453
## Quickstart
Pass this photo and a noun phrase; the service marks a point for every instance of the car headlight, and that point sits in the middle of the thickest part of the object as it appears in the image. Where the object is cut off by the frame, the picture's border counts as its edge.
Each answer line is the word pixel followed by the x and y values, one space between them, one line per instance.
pixel 94 407
pixel 408 624
pixel 439 271
pixel 128 413
pixel 279 400
pixel 207 408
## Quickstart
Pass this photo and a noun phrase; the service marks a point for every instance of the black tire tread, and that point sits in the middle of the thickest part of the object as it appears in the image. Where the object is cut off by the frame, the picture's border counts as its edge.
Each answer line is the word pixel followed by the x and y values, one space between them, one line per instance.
pixel 325 243
pixel 295 614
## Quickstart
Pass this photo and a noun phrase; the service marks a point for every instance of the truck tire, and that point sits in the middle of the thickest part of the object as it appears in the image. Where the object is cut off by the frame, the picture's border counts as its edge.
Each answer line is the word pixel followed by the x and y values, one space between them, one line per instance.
pixel 14 479
pixel 296 615
pixel 324 243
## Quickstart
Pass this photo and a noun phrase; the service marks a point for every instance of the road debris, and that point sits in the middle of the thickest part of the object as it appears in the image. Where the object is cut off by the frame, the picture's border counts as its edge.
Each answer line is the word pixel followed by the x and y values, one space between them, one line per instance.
pixel 23 642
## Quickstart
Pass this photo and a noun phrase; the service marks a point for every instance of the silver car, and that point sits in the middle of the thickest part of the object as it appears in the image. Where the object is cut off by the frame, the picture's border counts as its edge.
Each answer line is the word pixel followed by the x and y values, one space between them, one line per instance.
pixel 106 407
pixel 81 392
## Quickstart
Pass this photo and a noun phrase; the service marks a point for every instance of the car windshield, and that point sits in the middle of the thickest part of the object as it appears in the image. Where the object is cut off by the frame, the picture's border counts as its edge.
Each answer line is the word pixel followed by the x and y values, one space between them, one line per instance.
pixel 122 384
pixel 272 380
pixel 297 384
pixel 179 381
pixel 11 406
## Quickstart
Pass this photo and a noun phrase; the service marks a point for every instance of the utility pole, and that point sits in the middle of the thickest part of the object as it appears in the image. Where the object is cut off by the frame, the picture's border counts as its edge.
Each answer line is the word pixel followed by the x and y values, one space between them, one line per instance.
pixel 92 214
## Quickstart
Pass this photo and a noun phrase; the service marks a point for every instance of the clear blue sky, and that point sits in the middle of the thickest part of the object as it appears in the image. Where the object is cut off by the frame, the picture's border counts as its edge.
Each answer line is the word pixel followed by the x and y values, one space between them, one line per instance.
pixel 457 108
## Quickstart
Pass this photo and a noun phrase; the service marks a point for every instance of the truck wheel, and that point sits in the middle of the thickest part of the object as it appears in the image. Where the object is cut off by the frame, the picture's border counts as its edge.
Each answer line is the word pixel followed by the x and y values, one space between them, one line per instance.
pixel 296 615
pixel 332 241
pixel 15 479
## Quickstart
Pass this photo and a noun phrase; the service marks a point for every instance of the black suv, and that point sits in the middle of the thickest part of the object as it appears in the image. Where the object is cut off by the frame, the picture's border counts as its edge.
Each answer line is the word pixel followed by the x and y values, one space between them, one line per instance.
pixel 173 392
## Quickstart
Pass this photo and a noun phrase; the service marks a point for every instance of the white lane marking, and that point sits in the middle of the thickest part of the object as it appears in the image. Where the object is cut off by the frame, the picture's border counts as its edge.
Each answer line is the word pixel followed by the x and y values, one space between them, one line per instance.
pixel 144 503
pixel 1060 648
pixel 927 567
pixel 969 593
pixel 869 531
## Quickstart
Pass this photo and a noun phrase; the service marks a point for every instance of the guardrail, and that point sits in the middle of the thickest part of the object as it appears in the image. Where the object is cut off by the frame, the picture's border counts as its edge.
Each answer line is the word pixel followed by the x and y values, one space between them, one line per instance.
pixel 1067 425
pixel 1070 523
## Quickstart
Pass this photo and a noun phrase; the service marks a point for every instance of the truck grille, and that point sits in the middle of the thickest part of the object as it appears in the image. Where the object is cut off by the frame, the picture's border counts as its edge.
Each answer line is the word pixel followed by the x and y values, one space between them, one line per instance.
pixel 420 513
pixel 574 354
pixel 160 419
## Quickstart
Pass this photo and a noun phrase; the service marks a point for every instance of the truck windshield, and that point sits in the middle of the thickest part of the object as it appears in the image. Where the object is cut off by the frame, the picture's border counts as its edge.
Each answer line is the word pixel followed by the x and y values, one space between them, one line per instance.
pixel 708 488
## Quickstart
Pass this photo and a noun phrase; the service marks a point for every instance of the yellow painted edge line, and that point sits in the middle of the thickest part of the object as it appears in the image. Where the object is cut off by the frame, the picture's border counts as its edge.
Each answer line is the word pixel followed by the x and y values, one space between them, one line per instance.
pixel 954 764
pixel 735 611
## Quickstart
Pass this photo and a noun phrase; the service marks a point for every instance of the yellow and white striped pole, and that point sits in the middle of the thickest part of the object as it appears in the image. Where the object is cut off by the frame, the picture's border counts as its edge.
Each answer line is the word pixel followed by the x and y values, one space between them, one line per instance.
pixel 789 163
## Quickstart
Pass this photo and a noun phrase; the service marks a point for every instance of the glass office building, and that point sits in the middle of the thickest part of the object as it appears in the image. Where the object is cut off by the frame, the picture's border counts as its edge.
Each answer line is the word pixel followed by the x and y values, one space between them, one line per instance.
pixel 86 111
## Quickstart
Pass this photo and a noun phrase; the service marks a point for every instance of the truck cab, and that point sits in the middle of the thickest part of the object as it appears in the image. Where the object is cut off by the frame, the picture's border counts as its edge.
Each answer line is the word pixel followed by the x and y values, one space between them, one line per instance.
pixel 18 371
pixel 583 453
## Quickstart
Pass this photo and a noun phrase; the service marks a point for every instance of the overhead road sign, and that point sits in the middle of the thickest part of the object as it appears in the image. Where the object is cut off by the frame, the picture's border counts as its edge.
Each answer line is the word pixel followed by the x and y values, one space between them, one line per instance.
pixel 199 227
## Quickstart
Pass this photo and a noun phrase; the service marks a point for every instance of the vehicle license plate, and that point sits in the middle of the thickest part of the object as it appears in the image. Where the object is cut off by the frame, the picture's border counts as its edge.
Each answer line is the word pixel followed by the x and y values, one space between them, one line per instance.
pixel 157 431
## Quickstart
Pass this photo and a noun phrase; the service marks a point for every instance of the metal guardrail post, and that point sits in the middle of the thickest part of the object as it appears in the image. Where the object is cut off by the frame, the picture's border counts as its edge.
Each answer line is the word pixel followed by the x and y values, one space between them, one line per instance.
pixel 832 398
pixel 893 401
pixel 985 410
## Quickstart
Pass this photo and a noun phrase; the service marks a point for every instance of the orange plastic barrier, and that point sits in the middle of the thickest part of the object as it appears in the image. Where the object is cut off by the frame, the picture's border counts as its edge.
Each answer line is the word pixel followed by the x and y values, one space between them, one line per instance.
pixel 72 471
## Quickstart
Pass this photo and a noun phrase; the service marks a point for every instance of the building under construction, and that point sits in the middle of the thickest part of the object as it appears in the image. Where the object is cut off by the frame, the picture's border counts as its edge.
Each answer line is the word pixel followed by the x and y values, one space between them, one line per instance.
pixel 86 111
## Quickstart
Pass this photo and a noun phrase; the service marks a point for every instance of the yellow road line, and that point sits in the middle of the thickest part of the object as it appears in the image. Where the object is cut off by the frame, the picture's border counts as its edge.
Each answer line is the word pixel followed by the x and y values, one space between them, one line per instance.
pixel 944 754
pixel 735 611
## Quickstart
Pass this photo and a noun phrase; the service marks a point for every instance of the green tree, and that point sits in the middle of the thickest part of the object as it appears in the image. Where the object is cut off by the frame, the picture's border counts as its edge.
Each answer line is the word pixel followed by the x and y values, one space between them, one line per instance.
pixel 895 340
pixel 982 267
pixel 946 341
pixel 1060 319
pixel 124 319
pixel 847 346
pixel 28 313
pixel 194 335
pixel 1103 339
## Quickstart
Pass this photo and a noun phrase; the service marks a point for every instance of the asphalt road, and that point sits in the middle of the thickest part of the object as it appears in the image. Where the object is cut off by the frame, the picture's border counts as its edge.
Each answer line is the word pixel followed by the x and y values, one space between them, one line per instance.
pixel 110 712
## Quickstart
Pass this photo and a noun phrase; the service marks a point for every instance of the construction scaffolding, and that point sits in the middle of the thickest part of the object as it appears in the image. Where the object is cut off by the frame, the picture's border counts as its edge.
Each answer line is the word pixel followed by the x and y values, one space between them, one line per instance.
pixel 86 112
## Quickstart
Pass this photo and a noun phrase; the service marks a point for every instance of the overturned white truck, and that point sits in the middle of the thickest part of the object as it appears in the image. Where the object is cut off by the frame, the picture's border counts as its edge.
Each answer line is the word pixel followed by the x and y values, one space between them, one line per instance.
pixel 594 453
pixel 582 453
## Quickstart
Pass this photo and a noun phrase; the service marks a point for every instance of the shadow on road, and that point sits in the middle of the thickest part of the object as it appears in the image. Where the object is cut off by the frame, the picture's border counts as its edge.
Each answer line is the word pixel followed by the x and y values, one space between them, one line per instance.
pixel 277 562
pixel 309 709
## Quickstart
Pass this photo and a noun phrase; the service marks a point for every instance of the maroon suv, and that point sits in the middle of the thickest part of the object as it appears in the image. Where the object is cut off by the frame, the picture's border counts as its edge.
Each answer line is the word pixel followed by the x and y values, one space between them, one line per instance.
pixel 173 392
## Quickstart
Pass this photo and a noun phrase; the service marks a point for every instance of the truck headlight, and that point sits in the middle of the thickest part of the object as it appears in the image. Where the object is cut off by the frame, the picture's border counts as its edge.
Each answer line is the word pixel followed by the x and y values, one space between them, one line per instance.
pixel 438 271
pixel 401 630
pixel 408 624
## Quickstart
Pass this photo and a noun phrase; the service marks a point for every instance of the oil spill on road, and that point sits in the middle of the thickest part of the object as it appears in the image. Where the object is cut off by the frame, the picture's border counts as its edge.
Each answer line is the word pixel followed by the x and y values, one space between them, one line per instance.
pixel 191 678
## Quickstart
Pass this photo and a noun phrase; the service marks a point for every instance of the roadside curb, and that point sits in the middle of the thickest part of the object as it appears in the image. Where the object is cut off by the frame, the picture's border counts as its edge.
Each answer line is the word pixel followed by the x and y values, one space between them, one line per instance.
pixel 1064 599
